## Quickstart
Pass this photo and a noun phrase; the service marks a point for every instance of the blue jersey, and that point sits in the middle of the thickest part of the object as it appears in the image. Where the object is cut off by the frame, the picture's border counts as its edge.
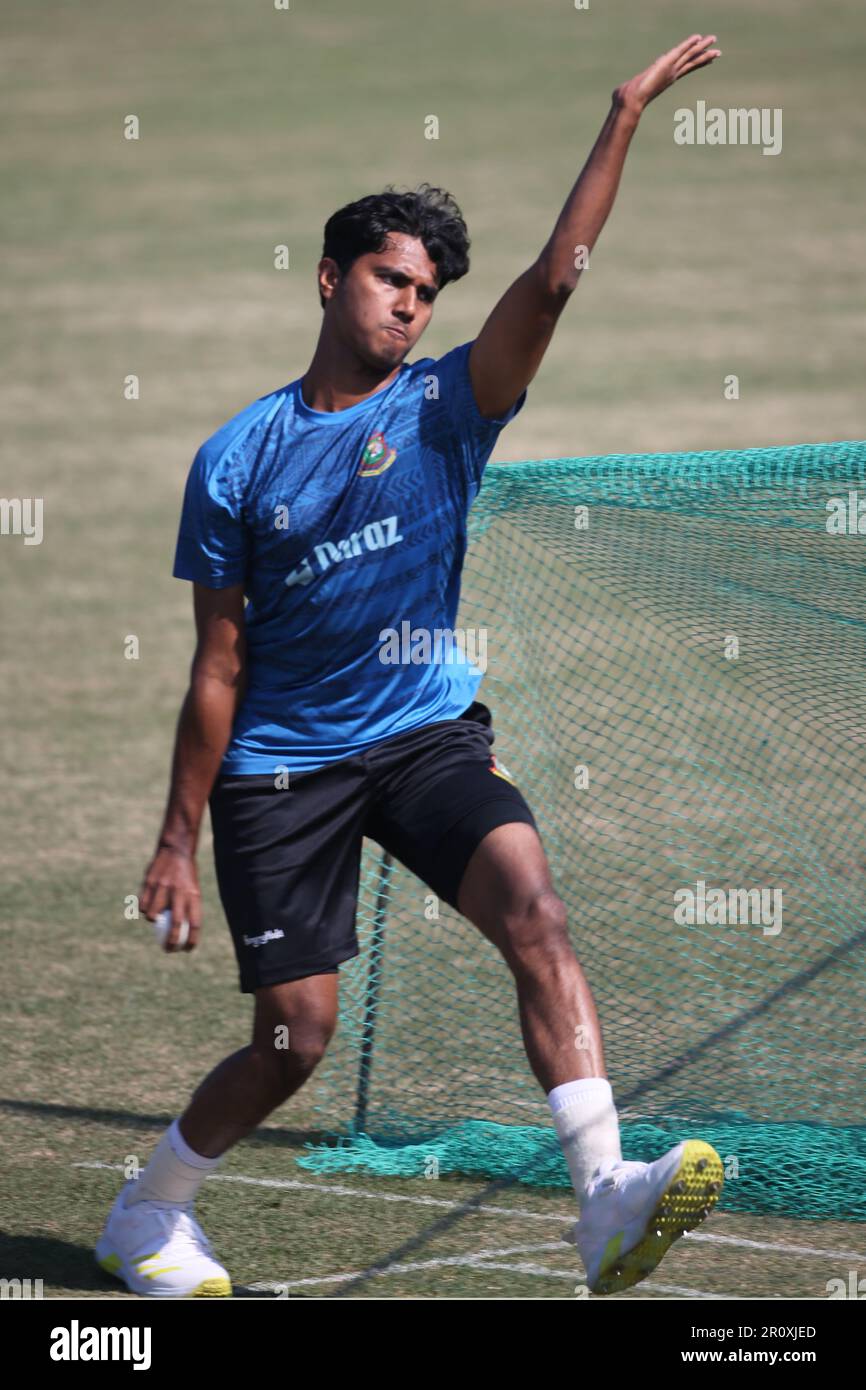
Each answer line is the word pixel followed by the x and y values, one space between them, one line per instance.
pixel 347 530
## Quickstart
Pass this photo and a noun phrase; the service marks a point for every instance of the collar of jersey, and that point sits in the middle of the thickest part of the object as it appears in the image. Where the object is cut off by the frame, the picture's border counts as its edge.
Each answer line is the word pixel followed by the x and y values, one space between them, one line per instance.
pixel 337 417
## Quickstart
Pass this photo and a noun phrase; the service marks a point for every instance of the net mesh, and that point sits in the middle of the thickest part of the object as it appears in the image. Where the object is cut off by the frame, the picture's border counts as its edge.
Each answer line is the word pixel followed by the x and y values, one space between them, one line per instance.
pixel 676 666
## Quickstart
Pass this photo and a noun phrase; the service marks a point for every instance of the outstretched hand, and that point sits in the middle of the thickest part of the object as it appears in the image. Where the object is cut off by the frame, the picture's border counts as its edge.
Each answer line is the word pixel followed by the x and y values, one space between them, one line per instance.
pixel 694 52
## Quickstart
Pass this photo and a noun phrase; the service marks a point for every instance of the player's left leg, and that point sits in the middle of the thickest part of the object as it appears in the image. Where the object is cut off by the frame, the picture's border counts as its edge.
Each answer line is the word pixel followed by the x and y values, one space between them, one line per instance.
pixel 449 812
pixel 457 820
pixel 630 1212
pixel 507 892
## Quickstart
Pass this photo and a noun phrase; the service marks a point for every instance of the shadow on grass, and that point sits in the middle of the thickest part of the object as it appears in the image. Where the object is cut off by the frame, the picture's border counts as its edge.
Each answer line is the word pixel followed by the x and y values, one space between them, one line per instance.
pixel 274 1138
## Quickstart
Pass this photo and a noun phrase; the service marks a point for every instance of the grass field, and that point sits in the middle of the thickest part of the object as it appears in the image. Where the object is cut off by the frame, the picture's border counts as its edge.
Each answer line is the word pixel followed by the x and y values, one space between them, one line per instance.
pixel 155 258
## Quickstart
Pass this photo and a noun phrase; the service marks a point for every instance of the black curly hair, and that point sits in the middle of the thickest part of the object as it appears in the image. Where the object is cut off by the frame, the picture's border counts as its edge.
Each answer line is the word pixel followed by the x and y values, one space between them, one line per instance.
pixel 428 213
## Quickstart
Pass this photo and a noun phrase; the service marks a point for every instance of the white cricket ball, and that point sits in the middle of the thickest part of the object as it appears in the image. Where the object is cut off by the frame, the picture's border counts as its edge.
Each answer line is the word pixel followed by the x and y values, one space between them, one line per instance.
pixel 162 926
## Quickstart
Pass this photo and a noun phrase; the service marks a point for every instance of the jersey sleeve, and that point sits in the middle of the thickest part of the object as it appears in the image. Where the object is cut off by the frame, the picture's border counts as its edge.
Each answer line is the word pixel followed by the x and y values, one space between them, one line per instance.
pixel 476 434
pixel 213 540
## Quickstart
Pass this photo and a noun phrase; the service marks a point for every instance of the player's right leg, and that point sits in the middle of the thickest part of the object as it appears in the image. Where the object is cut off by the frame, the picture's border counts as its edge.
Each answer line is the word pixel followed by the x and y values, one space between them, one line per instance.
pixel 287 864
pixel 151 1239
pixel 292 1026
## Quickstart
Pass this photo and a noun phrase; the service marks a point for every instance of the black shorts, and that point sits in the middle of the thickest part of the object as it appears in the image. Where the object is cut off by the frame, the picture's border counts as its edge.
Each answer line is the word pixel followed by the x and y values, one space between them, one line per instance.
pixel 288 860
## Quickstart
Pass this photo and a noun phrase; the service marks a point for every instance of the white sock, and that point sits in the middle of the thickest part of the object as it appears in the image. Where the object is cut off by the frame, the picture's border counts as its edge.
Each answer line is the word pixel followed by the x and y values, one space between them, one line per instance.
pixel 174 1173
pixel 586 1122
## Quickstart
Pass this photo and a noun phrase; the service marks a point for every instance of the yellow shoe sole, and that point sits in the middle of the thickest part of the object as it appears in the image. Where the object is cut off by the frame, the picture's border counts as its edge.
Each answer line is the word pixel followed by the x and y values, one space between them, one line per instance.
pixel 213 1288
pixel 687 1200
pixel 208 1288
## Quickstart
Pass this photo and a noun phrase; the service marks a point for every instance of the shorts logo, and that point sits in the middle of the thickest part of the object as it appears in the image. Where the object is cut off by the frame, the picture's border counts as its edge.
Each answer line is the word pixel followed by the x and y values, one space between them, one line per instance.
pixel 377 456
pixel 273 934
pixel 500 770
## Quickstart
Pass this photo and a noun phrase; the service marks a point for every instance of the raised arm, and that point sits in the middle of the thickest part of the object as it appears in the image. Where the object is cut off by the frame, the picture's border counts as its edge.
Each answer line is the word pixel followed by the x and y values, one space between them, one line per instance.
pixel 216 688
pixel 508 351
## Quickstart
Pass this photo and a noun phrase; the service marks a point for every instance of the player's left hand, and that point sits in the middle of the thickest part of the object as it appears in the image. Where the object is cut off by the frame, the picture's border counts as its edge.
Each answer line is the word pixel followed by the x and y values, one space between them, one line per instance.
pixel 694 52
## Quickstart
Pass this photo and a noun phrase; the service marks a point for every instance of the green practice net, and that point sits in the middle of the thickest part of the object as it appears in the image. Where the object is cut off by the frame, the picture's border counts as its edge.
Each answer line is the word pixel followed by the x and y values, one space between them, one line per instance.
pixel 676 666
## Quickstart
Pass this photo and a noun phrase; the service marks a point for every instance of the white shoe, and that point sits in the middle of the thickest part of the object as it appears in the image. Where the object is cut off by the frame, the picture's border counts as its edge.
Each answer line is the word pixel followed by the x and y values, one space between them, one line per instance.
pixel 635 1211
pixel 159 1249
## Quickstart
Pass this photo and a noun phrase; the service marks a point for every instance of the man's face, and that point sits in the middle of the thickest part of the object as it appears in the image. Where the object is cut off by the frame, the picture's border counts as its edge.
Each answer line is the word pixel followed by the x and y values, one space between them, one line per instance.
pixel 383 303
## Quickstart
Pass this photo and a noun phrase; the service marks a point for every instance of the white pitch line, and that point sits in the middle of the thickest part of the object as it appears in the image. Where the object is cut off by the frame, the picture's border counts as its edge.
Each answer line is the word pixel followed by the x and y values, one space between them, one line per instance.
pixel 566 1274
pixel 338 1190
pixel 474 1259
pixel 786 1249
pixel 480 1260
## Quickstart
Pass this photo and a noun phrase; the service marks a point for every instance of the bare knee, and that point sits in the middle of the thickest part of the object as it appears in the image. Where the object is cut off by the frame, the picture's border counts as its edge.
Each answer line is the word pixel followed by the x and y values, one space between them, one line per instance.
pixel 293 1027
pixel 534 933
pixel 289 1057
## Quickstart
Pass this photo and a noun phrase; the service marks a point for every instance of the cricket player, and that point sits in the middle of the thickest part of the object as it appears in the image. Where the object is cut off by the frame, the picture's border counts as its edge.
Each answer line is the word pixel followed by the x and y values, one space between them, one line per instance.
pixel 336 508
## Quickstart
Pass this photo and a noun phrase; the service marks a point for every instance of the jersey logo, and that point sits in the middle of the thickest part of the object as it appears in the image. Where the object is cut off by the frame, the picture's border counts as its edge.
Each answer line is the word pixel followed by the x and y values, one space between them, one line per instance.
pixel 377 456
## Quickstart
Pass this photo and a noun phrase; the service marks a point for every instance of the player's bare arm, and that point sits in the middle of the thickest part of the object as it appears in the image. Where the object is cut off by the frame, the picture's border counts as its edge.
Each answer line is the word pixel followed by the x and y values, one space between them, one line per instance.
pixel 343 450
pixel 509 349
pixel 217 680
